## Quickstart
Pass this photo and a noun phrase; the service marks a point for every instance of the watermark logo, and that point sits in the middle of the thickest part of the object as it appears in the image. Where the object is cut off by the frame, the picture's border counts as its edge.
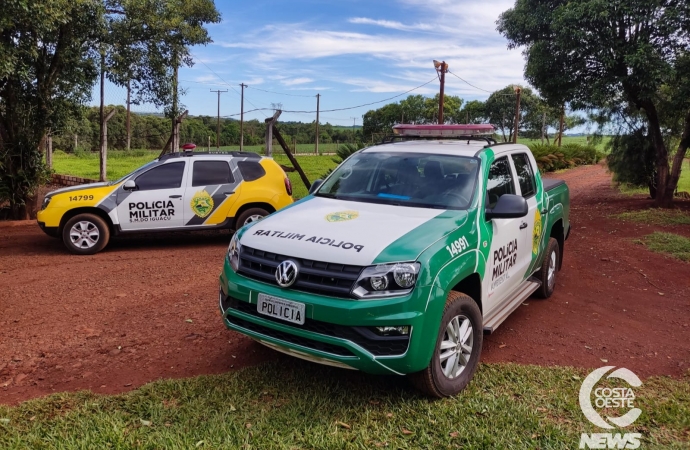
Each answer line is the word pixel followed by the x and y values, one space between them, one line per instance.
pixel 606 398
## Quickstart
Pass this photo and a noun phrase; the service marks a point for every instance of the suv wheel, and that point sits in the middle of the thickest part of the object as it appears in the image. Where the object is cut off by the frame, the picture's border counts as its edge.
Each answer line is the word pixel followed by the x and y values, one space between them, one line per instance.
pixel 457 350
pixel 249 216
pixel 85 234
pixel 549 269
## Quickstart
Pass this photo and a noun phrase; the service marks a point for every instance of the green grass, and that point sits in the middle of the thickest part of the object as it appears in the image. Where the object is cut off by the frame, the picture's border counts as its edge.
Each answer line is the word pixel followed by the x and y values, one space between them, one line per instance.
pixel 670 244
pixel 300 405
pixel 656 216
pixel 120 163
pixel 683 183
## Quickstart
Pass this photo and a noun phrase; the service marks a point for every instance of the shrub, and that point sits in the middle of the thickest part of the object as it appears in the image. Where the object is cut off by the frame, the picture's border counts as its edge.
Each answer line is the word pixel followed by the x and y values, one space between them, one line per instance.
pixel 551 157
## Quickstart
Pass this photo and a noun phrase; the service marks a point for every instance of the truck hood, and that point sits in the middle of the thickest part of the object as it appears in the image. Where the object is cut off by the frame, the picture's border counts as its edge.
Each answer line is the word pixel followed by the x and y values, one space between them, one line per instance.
pixel 353 233
pixel 76 188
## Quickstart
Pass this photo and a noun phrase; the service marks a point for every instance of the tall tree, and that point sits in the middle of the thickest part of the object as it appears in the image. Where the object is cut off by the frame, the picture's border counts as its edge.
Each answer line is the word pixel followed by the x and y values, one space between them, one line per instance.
pixel 50 58
pixel 596 53
pixel 500 109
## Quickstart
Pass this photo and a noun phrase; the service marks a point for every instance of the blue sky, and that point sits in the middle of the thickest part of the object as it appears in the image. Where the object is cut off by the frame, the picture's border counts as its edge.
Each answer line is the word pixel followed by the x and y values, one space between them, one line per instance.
pixel 351 52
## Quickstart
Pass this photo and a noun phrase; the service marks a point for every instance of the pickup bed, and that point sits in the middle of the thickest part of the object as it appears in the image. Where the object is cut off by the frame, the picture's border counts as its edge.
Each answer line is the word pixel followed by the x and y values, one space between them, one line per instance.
pixel 401 260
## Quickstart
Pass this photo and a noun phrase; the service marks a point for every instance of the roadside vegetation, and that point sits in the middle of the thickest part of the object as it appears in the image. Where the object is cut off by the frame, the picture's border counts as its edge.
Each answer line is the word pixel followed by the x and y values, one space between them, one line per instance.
pixel 656 216
pixel 292 405
pixel 668 243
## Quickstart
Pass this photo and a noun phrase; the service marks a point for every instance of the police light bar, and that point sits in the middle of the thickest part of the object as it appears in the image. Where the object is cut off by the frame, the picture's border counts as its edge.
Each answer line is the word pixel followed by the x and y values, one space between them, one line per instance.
pixel 444 130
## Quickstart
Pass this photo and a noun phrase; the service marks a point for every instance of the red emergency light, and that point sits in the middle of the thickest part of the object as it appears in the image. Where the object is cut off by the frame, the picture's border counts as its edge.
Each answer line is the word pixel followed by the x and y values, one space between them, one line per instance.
pixel 444 130
pixel 189 146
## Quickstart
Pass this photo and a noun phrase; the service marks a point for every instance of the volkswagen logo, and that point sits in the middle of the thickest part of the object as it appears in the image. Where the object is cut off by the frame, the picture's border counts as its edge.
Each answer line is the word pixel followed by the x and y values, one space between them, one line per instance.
pixel 286 273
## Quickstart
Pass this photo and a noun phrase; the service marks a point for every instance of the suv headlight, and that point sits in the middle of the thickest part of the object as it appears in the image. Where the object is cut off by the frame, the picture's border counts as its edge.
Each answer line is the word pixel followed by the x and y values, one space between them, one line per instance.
pixel 234 252
pixel 46 200
pixel 386 280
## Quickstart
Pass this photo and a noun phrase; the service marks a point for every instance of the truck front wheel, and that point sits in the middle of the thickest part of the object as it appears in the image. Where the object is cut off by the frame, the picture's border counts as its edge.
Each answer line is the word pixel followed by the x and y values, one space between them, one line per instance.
pixel 85 234
pixel 549 269
pixel 458 346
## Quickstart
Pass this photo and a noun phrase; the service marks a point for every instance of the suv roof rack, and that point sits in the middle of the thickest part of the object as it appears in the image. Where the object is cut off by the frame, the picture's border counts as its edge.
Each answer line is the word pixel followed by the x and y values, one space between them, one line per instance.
pixel 236 154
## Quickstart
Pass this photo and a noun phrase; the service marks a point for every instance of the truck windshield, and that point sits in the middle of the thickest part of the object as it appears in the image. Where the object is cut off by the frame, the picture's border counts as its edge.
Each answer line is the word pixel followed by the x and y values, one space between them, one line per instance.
pixel 405 179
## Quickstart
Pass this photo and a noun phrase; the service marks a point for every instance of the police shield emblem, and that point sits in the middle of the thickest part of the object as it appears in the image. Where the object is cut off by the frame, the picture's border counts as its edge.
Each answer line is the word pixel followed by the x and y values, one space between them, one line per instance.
pixel 202 204
pixel 341 216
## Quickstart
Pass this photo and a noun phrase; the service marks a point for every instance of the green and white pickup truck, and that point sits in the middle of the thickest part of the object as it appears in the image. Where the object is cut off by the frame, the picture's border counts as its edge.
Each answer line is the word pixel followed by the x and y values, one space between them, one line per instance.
pixel 403 258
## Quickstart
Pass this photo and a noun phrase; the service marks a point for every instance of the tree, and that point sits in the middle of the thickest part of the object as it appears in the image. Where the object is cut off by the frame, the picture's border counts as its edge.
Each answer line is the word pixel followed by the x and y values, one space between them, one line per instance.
pixel 500 110
pixel 473 112
pixel 595 54
pixel 50 54
pixel 47 68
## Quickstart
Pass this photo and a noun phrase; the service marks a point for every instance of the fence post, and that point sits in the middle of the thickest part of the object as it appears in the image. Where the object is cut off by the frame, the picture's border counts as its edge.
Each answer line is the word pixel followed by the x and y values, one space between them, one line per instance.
pixel 104 146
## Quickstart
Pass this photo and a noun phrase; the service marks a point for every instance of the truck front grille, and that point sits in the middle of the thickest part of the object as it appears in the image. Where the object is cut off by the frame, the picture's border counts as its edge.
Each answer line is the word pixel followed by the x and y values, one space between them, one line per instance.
pixel 317 277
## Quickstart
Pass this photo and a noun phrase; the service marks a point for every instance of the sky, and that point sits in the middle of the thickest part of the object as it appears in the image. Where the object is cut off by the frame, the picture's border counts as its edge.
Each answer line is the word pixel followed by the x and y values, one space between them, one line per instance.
pixel 352 52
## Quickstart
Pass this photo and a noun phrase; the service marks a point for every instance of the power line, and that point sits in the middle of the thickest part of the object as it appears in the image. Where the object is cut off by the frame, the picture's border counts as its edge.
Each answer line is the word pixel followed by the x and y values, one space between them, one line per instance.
pixel 280 93
pixel 228 84
pixel 462 79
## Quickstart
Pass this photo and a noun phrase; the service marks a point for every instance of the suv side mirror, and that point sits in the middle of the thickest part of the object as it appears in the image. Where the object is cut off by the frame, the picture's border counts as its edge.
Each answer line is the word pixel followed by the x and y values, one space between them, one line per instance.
pixel 315 186
pixel 129 185
pixel 509 206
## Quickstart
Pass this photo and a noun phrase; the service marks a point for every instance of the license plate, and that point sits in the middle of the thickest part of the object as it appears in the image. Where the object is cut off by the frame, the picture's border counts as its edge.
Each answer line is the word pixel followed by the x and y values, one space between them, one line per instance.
pixel 280 308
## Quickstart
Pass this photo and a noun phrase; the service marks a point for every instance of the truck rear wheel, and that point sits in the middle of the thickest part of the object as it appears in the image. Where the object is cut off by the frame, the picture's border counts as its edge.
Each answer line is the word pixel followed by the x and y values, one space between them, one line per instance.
pixel 457 350
pixel 85 234
pixel 549 269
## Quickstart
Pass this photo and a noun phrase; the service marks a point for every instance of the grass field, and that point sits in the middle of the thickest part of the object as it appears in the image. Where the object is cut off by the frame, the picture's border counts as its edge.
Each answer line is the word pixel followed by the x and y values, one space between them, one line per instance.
pixel 656 216
pixel 296 405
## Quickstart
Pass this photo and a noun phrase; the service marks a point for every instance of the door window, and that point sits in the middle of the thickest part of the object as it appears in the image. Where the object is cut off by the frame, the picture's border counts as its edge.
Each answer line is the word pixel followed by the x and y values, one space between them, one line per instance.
pixel 167 176
pixel 206 173
pixel 525 175
pixel 251 170
pixel 500 181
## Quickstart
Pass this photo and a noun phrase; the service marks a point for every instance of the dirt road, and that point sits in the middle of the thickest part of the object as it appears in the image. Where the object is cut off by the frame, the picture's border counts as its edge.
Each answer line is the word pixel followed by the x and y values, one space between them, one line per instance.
pixel 146 308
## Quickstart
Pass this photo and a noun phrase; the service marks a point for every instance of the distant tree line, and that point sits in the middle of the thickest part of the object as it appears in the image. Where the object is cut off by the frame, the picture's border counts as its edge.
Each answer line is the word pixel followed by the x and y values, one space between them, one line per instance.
pixel 150 131
pixel 536 116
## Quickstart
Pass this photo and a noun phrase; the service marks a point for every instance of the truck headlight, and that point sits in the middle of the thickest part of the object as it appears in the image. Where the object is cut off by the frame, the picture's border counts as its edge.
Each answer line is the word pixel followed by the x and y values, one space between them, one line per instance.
pixel 234 252
pixel 386 280
pixel 46 200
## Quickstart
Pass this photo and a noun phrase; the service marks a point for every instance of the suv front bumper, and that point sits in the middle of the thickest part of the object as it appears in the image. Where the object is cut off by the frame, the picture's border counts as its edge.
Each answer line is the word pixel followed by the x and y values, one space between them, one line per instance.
pixel 337 331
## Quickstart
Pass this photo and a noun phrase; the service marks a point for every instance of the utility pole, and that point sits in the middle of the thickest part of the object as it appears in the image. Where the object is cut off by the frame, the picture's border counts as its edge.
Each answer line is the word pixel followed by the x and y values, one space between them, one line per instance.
pixel 129 132
pixel 218 122
pixel 442 68
pixel 518 90
pixel 102 138
pixel 316 145
pixel 543 127
pixel 242 118
pixel 174 143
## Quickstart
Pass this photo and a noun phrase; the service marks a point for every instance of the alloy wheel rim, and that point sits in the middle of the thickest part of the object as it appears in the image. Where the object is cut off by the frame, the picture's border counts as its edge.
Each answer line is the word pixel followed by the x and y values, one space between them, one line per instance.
pixel 552 270
pixel 84 234
pixel 456 346
pixel 253 218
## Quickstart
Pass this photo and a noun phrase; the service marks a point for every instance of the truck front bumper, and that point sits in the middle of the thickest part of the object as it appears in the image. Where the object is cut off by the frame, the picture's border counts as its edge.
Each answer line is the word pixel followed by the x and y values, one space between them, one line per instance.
pixel 337 331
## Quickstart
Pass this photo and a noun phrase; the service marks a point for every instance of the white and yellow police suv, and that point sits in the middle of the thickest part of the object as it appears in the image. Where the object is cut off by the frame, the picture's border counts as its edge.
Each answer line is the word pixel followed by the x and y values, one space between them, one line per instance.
pixel 402 258
pixel 178 191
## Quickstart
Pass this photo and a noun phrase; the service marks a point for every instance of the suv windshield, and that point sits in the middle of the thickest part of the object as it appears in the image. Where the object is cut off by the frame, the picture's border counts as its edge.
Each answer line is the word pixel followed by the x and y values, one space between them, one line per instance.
pixel 405 179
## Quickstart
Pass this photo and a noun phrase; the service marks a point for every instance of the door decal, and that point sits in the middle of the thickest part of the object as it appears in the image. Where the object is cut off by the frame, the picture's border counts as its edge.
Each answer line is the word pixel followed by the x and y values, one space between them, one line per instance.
pixel 202 204
pixel 536 233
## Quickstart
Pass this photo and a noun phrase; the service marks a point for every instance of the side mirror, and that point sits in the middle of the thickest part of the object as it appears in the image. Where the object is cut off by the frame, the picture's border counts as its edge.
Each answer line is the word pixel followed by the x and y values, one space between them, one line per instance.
pixel 315 186
pixel 129 185
pixel 509 206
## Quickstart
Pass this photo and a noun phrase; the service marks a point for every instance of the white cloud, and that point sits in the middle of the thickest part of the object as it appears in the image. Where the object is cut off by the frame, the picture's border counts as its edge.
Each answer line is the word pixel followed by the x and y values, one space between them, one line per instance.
pixel 391 24
pixel 294 81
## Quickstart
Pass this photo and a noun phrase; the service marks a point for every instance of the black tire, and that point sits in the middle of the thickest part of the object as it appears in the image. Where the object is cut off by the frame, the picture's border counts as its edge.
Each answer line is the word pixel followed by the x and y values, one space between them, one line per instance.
pixel 432 381
pixel 88 223
pixel 553 255
pixel 249 216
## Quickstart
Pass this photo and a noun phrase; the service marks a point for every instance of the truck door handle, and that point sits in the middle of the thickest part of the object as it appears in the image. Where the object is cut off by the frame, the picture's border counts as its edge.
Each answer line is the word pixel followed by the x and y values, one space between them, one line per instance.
pixel 228 193
pixel 175 196
pixel 523 225
pixel 544 211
